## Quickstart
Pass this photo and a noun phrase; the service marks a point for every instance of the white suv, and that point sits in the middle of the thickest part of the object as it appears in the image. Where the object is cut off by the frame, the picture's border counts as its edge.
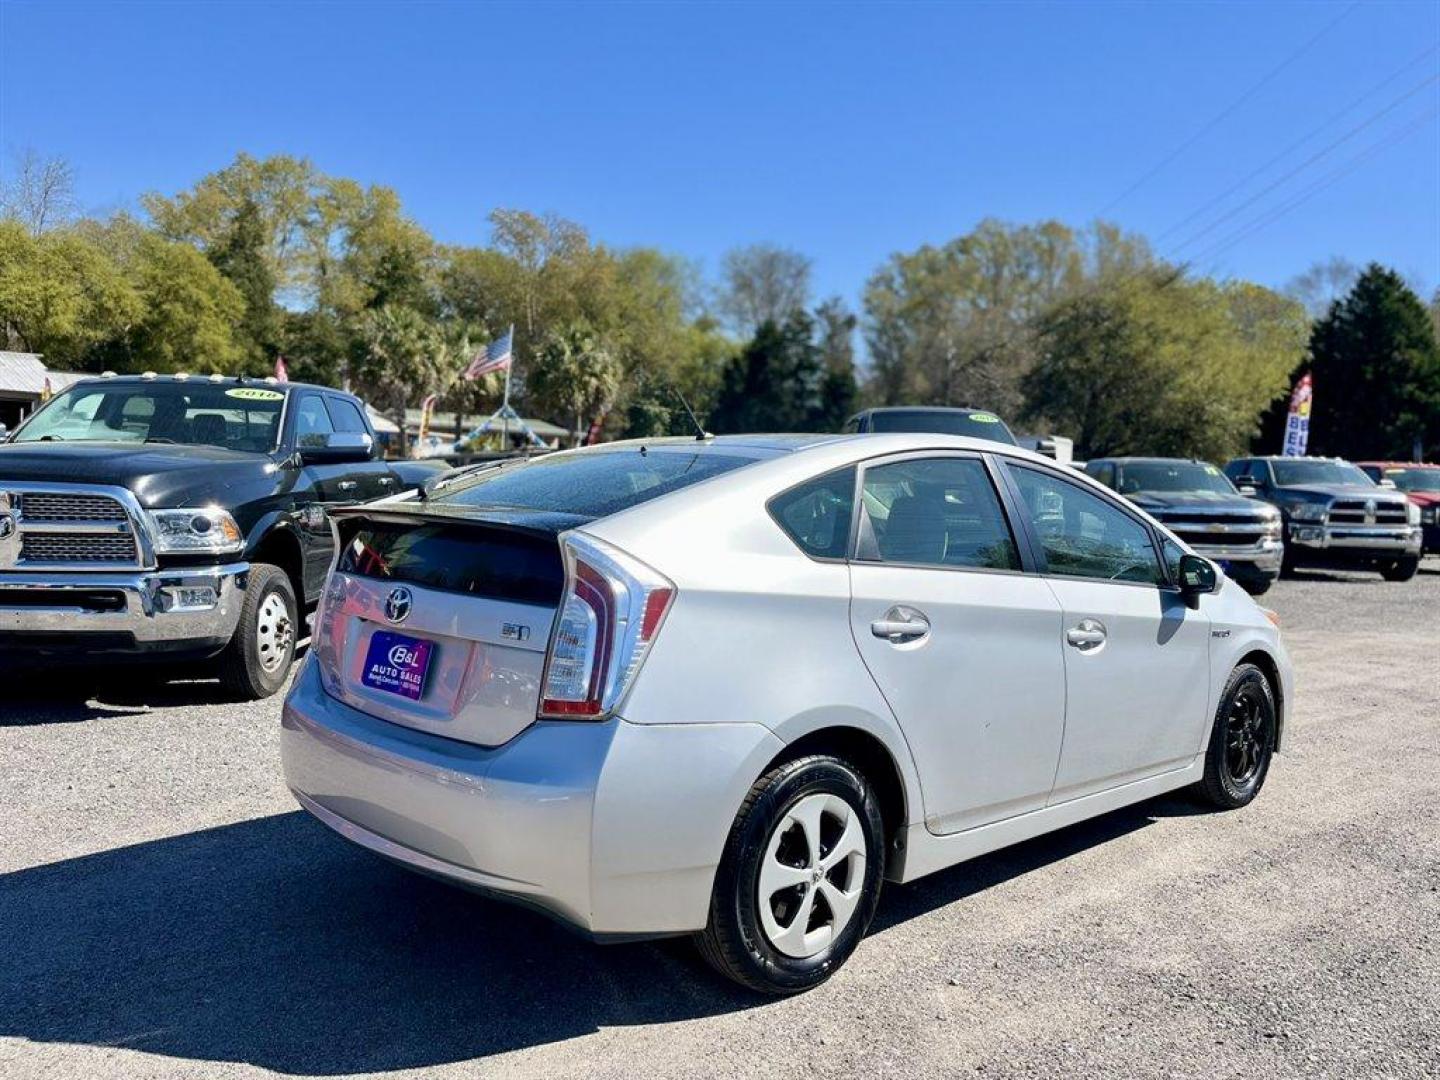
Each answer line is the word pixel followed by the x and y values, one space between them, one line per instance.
pixel 729 686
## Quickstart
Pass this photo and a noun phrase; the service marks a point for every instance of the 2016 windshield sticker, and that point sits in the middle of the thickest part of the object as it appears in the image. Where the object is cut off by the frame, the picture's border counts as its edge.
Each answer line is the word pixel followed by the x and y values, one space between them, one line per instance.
pixel 254 393
pixel 984 418
pixel 1212 470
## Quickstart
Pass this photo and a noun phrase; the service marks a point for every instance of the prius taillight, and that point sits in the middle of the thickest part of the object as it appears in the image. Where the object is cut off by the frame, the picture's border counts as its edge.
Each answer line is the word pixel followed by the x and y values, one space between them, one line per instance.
pixel 611 610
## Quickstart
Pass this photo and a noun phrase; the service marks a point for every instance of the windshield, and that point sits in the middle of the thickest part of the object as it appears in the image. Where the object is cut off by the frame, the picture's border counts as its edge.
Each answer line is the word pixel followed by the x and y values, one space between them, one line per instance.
pixel 1415 479
pixel 1173 476
pixel 593 483
pixel 224 415
pixel 1290 473
pixel 976 424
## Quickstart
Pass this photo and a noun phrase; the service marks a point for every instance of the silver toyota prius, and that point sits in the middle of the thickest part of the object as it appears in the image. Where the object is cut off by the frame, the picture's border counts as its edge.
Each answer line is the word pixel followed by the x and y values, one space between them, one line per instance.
pixel 728 686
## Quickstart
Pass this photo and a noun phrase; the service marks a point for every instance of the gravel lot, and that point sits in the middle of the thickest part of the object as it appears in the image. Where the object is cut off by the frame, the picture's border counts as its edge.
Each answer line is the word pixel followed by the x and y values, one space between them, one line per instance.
pixel 165 911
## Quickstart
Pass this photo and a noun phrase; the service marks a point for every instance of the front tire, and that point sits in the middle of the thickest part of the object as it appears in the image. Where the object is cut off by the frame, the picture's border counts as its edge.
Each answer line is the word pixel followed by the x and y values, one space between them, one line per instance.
pixel 1242 741
pixel 800 877
pixel 1401 569
pixel 257 661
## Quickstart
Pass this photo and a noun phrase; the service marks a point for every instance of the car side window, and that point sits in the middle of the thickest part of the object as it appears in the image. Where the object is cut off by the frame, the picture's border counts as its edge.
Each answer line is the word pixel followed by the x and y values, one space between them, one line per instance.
pixel 312 421
pixel 817 514
pixel 938 512
pixel 345 416
pixel 1084 535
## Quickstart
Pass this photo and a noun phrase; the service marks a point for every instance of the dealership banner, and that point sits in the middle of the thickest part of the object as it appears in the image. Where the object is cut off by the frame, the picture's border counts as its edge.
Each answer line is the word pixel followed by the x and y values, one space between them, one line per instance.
pixel 1297 426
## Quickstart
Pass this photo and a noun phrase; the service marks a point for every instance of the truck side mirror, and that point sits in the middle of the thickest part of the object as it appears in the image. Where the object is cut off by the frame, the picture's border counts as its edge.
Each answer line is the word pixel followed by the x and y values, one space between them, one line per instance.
pixel 4 433
pixel 335 446
pixel 1197 577
pixel 1384 482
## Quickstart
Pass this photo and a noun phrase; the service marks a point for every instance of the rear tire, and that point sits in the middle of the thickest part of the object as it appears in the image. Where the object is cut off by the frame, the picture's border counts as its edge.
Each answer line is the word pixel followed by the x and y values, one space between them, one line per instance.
pixel 800 877
pixel 1401 569
pixel 257 661
pixel 1242 741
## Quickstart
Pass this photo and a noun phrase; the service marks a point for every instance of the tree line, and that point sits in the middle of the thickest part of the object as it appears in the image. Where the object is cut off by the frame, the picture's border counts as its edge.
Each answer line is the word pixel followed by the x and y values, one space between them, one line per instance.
pixel 1083 332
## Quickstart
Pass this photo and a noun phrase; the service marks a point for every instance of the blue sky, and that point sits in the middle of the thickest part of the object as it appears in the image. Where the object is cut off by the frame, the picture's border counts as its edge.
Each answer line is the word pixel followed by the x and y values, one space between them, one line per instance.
pixel 845 131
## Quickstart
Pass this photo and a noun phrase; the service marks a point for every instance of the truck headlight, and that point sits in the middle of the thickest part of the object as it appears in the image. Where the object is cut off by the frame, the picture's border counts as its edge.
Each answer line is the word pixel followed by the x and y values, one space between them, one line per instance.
pixel 203 530
pixel 1412 513
pixel 1429 514
pixel 1273 528
pixel 1307 511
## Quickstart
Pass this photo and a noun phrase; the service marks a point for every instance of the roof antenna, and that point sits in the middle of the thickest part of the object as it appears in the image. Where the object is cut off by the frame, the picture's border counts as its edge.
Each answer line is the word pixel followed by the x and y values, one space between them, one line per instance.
pixel 700 433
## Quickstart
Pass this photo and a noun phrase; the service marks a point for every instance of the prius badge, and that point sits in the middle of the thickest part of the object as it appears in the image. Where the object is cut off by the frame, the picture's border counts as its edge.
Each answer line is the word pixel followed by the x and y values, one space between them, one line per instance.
pixel 398 604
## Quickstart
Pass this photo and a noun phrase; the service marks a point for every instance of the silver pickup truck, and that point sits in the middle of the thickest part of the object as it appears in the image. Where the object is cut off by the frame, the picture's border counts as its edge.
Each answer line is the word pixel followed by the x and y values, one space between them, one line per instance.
pixel 1335 516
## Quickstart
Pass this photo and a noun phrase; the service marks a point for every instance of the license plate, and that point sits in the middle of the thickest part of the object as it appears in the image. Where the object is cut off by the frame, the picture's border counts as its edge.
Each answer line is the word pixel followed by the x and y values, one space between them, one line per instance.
pixel 397 664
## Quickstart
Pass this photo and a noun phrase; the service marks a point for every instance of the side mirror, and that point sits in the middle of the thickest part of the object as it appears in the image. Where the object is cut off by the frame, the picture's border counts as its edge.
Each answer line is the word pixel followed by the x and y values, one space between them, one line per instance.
pixel 1248 481
pixel 1197 577
pixel 336 446
pixel 1248 490
pixel 4 433
pixel 1386 482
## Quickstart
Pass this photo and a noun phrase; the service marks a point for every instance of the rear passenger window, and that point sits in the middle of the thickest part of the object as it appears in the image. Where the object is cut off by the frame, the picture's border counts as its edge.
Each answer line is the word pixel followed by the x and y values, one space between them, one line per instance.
pixel 1084 535
pixel 345 416
pixel 816 515
pixel 938 512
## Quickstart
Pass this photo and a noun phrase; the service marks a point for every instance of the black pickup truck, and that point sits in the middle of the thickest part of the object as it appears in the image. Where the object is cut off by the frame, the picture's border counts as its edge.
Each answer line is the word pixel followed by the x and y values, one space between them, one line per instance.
pixel 180 518
pixel 1335 516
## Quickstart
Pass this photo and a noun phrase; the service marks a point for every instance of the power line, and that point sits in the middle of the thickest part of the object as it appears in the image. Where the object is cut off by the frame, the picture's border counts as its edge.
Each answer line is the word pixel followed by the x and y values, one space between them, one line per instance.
pixel 1311 160
pixel 1227 112
pixel 1298 143
pixel 1329 179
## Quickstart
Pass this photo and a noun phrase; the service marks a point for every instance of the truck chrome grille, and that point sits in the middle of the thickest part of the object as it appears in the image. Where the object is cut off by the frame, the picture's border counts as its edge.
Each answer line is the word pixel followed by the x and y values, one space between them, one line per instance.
pixel 56 506
pixel 1367 512
pixel 79 527
pixel 111 549
pixel 1216 529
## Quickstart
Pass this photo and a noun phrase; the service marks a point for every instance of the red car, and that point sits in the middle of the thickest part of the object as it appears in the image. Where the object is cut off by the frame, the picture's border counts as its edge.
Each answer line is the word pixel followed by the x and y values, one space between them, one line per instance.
pixel 1421 482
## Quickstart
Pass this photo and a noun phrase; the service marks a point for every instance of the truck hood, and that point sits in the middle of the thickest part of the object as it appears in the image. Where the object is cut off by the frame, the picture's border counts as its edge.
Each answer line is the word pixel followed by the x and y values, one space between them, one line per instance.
pixel 1424 498
pixel 1319 492
pixel 159 474
pixel 1159 502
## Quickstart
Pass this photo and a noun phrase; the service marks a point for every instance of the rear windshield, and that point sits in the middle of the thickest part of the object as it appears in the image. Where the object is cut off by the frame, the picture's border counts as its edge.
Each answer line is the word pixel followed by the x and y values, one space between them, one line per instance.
pixel 593 484
pixel 974 423
pixel 500 564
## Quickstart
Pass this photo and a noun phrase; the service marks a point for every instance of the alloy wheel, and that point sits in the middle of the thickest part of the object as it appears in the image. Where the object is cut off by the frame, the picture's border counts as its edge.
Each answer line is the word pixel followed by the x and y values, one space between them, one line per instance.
pixel 812 875
pixel 1247 736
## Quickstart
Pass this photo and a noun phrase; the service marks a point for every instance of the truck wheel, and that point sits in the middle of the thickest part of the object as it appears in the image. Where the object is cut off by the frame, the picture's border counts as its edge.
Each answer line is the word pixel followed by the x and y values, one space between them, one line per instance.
pixel 257 661
pixel 1257 586
pixel 799 879
pixel 1400 569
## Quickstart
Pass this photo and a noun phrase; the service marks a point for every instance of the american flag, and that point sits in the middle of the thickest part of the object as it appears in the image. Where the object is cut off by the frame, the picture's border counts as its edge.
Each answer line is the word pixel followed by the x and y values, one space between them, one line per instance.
pixel 494 357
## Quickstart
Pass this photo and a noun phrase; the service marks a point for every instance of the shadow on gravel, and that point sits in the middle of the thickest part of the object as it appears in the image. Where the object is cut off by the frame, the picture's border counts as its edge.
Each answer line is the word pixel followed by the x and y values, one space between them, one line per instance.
pixel 59 695
pixel 271 942
pixel 903 902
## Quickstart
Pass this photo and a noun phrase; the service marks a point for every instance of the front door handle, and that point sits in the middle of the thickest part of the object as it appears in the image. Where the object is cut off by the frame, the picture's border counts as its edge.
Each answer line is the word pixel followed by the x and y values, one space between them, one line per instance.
pixel 1087 636
pixel 349 485
pixel 901 624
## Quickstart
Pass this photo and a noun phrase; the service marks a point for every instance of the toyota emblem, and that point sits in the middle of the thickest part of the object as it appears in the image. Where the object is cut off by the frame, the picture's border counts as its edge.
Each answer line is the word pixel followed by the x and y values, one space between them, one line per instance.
pixel 398 604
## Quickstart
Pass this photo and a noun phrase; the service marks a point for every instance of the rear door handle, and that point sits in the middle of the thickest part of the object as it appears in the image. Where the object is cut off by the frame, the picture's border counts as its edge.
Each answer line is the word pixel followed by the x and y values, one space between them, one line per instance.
pixel 901 624
pixel 1087 636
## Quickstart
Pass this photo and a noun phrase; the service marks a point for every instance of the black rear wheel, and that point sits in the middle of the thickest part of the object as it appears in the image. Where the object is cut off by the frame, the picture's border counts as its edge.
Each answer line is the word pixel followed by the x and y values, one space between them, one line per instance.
pixel 1242 741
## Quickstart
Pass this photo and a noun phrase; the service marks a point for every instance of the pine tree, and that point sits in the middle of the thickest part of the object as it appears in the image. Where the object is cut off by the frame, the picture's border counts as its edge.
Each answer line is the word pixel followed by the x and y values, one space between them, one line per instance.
pixel 1376 370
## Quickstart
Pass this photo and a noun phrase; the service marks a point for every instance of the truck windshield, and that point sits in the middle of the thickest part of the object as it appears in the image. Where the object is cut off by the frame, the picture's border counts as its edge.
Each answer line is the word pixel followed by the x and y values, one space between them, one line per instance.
pixel 1291 473
pixel 1415 479
pixel 227 415
pixel 1173 476
pixel 976 424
